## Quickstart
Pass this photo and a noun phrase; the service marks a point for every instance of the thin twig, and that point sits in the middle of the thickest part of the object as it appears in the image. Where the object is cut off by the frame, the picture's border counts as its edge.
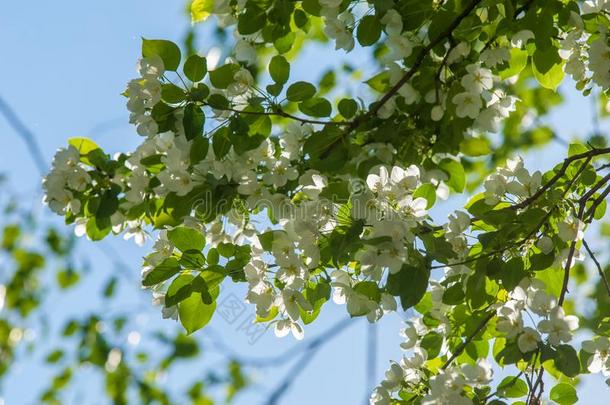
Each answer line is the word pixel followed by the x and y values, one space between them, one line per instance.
pixel 28 136
pixel 559 174
pixel 591 211
pixel 422 55
pixel 302 363
pixel 284 357
pixel 599 267
pixel 281 113
pixel 470 337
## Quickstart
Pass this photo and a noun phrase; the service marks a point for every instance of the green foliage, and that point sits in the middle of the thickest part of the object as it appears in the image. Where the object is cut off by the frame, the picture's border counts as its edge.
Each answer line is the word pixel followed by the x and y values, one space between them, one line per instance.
pixel 410 284
pixel 306 188
pixel 195 68
pixel 564 394
pixel 166 50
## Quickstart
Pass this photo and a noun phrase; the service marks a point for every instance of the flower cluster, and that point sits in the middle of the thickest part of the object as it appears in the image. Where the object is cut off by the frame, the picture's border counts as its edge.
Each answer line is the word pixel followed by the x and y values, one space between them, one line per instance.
pixel 412 374
pixel 587 57
pixel 531 297
pixel 144 93
pixel 66 179
pixel 269 187
pixel 511 180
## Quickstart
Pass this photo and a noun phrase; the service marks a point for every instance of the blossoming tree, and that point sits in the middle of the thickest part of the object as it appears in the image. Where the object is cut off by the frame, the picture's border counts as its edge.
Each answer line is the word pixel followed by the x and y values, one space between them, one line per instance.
pixel 247 174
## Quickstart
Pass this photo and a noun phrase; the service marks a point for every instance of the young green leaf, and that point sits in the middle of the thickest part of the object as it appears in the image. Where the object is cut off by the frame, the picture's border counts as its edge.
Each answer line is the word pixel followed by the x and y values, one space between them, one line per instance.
pixel 195 68
pixel 279 69
pixel 185 238
pixel 300 91
pixel 166 50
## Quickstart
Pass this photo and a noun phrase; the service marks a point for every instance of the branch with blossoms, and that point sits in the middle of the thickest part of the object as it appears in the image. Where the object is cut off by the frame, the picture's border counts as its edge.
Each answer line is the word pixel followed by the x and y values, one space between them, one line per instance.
pixel 305 200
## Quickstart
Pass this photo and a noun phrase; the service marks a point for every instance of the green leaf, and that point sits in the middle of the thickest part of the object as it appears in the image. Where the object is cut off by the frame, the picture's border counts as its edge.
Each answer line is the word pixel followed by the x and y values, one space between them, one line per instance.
pixel 67 278
pixel 252 20
pixel 348 107
pixel 201 10
pixel 194 313
pixel 163 271
pixel 454 295
pixel 457 175
pixel 266 240
pixel 380 82
pixel 576 148
pixel 195 68
pixel 566 360
pixel 317 295
pixel 552 78
pixel 369 30
pixel 517 62
pixel 192 259
pixel 199 149
pixel 545 59
pixel 166 50
pixel 432 342
pixel 279 69
pixel 213 256
pixel 185 238
pixel 319 142
pixel 369 289
pixel 221 144
pixel 300 91
pixel 410 284
pixel 316 107
pixel 226 249
pixel 54 356
pixel 98 228
pixel 200 92
pixel 193 121
pixel 218 101
pixel 285 43
pixel 222 77
pixel 512 387
pixel 475 147
pixel 109 203
pixel 178 290
pixel 512 273
pixel 172 93
pixel 83 145
pixel 427 191
pixel 564 394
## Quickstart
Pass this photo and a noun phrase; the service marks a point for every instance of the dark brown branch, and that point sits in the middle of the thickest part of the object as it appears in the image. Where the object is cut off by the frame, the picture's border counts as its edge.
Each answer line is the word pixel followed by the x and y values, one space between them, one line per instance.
pixel 523 8
pixel 591 211
pixel 596 187
pixel 599 267
pixel 281 113
pixel 469 339
pixel 560 172
pixel 420 59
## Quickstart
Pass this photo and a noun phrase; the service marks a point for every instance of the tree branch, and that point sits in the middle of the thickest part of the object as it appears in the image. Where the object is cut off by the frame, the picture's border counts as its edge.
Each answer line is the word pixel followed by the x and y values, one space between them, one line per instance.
pixel 470 337
pixel 420 58
pixel 281 113
pixel 28 136
pixel 599 267
pixel 302 363
pixel 287 355
pixel 591 211
pixel 566 163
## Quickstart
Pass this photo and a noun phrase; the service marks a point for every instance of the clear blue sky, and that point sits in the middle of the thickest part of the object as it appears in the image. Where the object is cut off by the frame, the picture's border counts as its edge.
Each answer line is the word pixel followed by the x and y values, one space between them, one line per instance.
pixel 64 65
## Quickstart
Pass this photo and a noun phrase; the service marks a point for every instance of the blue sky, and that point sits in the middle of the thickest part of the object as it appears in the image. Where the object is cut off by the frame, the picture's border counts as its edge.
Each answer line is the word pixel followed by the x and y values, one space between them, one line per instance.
pixel 64 65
